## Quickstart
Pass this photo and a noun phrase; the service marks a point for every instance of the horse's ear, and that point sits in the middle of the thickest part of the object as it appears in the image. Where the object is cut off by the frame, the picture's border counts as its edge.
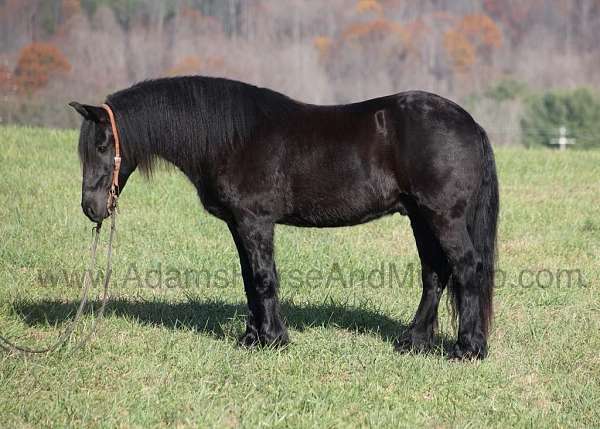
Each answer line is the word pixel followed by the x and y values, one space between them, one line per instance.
pixel 93 113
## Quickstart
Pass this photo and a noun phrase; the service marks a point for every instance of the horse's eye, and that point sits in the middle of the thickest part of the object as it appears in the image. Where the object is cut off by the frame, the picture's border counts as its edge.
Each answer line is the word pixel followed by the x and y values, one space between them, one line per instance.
pixel 102 148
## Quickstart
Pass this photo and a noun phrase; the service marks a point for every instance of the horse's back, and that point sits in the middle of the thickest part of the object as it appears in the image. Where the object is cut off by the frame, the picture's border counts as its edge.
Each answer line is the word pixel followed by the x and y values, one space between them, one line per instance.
pixel 344 165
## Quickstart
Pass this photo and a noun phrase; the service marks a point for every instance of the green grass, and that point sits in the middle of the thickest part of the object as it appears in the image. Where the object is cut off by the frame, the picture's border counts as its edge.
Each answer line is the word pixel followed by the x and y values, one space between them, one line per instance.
pixel 167 356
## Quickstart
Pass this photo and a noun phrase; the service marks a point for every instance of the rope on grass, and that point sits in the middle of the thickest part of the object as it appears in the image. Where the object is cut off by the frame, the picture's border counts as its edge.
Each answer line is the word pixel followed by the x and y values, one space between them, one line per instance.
pixel 62 339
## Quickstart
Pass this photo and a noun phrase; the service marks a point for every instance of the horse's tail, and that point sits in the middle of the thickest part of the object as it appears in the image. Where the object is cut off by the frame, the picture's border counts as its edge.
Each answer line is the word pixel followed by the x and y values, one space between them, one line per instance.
pixel 483 230
pixel 482 226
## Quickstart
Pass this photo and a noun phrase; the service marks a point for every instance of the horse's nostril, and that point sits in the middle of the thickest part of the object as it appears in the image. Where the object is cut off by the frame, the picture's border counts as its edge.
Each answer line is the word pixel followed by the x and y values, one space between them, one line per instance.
pixel 89 211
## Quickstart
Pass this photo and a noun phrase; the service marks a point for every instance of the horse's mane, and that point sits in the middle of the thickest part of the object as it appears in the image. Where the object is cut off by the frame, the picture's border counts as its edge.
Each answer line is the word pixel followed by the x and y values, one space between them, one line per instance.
pixel 190 119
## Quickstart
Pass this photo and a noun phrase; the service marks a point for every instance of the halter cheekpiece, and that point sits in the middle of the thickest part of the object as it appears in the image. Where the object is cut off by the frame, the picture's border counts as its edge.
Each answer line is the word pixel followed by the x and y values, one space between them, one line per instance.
pixel 113 195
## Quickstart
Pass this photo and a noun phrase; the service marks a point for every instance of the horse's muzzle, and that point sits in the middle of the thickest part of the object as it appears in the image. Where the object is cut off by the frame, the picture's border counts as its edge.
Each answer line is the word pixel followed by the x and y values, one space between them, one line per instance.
pixel 95 212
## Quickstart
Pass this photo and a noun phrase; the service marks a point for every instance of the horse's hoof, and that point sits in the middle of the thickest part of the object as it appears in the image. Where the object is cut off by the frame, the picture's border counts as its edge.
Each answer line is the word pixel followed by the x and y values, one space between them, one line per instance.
pixel 467 352
pixel 253 339
pixel 280 340
pixel 249 339
pixel 413 343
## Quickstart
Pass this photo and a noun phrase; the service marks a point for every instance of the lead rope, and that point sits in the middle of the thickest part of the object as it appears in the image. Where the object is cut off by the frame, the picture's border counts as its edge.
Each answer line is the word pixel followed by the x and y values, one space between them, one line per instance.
pixel 113 196
pixel 9 346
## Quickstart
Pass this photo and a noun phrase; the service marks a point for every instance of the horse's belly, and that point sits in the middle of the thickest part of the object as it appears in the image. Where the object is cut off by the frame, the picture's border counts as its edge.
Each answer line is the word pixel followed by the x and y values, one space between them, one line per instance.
pixel 344 206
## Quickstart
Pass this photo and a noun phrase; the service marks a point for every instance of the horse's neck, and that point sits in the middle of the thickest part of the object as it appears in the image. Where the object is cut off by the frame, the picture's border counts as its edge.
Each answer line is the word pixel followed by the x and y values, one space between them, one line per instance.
pixel 175 153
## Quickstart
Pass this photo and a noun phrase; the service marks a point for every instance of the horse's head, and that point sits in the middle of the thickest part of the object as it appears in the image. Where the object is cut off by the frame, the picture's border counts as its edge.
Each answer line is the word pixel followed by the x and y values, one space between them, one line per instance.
pixel 97 153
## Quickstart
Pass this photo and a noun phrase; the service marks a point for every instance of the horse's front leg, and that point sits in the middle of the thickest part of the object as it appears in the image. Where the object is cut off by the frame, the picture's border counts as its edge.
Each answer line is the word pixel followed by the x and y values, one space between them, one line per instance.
pixel 254 242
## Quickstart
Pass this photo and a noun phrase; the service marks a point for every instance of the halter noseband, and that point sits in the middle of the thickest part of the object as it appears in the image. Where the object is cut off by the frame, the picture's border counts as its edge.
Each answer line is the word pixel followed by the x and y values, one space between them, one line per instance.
pixel 113 195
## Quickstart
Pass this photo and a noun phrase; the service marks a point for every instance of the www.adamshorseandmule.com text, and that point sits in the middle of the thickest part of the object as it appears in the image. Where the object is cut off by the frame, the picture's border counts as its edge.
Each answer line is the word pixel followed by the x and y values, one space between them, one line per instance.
pixel 384 275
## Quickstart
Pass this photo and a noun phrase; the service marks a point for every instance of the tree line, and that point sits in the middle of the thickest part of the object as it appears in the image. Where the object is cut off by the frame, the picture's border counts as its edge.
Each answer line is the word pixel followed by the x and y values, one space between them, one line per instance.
pixel 321 52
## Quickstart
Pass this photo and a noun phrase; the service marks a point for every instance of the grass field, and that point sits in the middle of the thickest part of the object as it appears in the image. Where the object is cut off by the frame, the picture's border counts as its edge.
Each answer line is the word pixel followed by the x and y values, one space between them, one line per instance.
pixel 166 353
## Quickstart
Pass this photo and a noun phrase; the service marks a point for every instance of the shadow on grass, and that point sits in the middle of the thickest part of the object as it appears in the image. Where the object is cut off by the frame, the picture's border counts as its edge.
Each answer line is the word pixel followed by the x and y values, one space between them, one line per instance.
pixel 214 317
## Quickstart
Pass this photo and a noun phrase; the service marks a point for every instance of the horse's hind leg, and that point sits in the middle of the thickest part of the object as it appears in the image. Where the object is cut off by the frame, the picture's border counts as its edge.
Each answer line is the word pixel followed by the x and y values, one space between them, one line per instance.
pixel 466 290
pixel 254 242
pixel 434 273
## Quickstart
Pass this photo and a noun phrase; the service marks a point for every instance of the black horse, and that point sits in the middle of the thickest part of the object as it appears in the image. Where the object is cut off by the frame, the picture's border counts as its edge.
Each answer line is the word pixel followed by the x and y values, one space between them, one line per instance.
pixel 258 158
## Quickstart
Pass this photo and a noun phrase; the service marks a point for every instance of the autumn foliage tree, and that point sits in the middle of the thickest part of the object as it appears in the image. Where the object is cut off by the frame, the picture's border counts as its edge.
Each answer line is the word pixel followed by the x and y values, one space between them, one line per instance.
pixel 482 32
pixel 364 6
pixel 333 51
pixel 192 64
pixel 6 79
pixel 323 45
pixel 460 50
pixel 474 36
pixel 37 63
pixel 514 15
pixel 70 8
pixel 188 65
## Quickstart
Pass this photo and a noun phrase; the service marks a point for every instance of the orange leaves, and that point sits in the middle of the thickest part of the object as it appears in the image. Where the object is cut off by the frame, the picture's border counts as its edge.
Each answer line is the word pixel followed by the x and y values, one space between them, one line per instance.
pixel 6 79
pixel 194 15
pixel 362 35
pixel 481 30
pixel 473 34
pixel 70 8
pixel 375 28
pixel 460 50
pixel 516 16
pixel 37 63
pixel 416 31
pixel 187 66
pixel 191 65
pixel 323 45
pixel 369 6
pixel 195 18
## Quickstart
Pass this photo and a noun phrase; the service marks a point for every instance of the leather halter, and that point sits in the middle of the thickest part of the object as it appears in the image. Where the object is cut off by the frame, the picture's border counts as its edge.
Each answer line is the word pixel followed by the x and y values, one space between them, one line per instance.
pixel 113 195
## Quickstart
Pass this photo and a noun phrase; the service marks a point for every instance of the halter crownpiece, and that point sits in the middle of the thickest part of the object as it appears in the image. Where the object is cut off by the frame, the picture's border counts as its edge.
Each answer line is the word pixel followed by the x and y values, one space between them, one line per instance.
pixel 113 195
